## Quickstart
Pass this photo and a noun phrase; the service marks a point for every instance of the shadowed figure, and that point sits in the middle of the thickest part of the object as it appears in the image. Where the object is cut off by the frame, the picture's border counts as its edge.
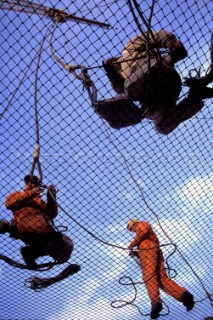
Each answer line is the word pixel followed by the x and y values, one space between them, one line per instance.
pixel 146 75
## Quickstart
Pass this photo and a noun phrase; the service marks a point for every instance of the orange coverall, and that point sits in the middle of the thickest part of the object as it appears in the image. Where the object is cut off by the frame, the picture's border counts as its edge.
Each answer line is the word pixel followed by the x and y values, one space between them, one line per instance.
pixel 31 216
pixel 152 264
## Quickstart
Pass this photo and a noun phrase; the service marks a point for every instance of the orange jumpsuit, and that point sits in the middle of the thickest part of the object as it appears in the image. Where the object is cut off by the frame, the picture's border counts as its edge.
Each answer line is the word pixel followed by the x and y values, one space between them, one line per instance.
pixel 152 264
pixel 31 216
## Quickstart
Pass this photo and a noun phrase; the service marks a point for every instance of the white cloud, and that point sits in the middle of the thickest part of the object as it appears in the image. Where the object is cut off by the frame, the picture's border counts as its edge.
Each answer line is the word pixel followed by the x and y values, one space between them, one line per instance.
pixel 113 228
pixel 190 277
pixel 115 253
pixel 114 272
pixel 92 312
pixel 196 189
pixel 89 287
pixel 177 230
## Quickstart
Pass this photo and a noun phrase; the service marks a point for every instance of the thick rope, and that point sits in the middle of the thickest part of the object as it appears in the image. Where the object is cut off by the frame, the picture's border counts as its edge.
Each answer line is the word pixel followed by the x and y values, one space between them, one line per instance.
pixel 103 241
pixel 148 26
pixel 38 284
pixel 122 303
pixel 36 153
pixel 66 66
pixel 19 85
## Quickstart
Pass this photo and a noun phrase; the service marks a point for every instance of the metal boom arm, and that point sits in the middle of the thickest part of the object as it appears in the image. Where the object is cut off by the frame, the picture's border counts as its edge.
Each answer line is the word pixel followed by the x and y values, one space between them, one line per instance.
pixel 50 13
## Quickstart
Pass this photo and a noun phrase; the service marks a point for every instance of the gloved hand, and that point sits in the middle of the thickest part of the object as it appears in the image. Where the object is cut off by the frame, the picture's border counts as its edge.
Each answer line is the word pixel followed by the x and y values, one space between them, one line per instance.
pixel 133 253
pixel 36 192
pixel 52 191
pixel 110 66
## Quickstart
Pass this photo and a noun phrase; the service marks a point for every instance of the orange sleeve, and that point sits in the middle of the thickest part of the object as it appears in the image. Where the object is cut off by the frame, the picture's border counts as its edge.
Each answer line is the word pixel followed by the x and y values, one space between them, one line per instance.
pixel 17 199
pixel 142 232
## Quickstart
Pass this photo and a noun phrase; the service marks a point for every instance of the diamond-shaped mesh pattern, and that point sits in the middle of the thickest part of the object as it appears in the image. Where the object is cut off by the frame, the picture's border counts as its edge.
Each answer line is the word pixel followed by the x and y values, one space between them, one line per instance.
pixel 104 176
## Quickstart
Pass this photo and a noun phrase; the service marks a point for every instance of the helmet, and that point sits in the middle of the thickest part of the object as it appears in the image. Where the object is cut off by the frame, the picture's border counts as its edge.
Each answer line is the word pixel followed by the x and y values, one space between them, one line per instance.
pixel 131 223
pixel 32 179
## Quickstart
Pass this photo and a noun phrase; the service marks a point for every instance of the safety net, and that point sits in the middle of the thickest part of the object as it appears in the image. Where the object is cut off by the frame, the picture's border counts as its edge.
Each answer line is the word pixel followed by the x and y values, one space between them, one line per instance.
pixel 54 84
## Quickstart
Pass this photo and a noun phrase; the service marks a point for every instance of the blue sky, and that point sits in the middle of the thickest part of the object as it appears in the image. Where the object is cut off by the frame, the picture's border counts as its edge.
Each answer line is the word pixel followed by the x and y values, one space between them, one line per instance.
pixel 174 172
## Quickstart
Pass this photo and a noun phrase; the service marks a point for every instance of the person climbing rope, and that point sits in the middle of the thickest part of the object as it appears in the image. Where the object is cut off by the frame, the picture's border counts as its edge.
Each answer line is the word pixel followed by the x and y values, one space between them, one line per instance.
pixel 145 75
pixel 153 270
pixel 33 224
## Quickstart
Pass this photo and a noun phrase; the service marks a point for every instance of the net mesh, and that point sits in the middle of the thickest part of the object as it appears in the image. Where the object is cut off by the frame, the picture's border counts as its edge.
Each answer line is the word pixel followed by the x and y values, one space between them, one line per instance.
pixel 104 176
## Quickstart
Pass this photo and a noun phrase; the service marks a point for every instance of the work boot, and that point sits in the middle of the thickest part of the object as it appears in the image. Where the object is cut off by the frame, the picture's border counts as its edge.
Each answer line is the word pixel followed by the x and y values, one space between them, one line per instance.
pixel 188 300
pixel 201 81
pixel 4 226
pixel 156 309
pixel 70 270
pixel 200 92
pixel 28 257
pixel 195 82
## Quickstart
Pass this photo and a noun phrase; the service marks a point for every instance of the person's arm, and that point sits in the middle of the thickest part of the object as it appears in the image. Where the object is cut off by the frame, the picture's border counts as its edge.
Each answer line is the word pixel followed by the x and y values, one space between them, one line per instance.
pixel 112 69
pixel 168 40
pixel 18 199
pixel 52 208
pixel 142 232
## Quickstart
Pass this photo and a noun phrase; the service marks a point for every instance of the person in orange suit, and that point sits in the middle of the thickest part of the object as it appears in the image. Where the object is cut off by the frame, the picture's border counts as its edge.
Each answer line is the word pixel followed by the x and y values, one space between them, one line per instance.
pixel 153 270
pixel 33 224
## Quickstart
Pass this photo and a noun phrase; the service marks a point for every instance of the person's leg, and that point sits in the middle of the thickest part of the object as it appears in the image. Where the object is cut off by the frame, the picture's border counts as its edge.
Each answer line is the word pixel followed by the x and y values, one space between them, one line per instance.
pixel 185 110
pixel 30 253
pixel 171 287
pixel 59 248
pixel 148 261
pixel 119 112
pixel 166 284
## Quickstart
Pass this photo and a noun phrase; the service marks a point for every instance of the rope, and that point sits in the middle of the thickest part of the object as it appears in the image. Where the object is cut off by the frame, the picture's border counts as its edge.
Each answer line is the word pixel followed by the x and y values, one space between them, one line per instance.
pixel 103 241
pixel 144 282
pixel 19 85
pixel 38 284
pixel 157 218
pixel 68 67
pixel 13 263
pixel 148 26
pixel 124 303
pixel 36 153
